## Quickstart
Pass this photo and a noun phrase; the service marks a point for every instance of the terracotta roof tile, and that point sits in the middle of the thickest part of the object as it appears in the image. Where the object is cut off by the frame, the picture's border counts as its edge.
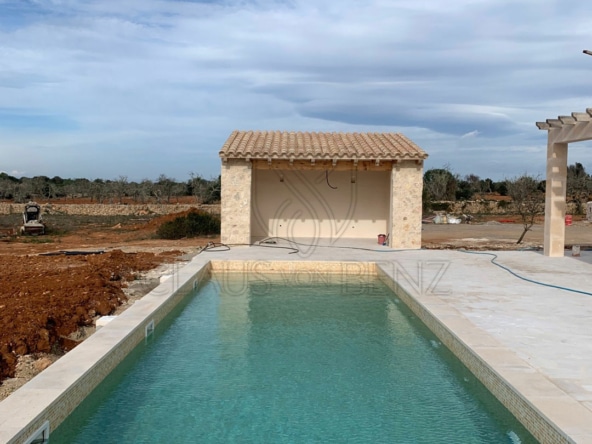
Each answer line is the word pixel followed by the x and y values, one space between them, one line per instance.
pixel 312 145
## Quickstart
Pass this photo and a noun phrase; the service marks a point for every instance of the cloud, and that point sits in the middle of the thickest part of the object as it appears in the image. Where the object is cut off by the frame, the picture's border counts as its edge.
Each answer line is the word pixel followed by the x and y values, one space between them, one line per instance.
pixel 470 134
pixel 13 173
pixel 133 88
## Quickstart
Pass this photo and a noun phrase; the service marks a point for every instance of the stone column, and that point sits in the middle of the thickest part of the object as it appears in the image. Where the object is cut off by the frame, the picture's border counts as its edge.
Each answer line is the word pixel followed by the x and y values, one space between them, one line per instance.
pixel 555 199
pixel 405 208
pixel 236 202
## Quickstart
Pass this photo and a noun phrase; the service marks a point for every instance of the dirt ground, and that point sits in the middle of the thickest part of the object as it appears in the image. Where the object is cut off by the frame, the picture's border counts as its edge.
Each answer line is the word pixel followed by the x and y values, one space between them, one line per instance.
pixel 54 287
pixel 495 235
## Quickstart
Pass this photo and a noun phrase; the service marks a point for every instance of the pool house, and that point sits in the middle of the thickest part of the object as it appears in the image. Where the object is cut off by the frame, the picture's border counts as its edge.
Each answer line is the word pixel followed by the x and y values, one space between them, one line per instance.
pixel 320 186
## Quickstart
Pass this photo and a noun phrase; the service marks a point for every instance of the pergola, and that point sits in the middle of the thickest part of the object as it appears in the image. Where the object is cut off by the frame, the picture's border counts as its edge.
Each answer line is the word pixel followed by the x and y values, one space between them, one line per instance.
pixel 561 132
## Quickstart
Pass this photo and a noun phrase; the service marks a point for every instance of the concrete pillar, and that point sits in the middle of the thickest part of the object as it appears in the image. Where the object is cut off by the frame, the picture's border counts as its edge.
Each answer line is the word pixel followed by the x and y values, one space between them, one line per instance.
pixel 555 199
pixel 236 180
pixel 405 208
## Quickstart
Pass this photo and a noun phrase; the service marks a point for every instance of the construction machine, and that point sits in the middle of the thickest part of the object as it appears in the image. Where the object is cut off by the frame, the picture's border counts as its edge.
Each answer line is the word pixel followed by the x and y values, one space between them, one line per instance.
pixel 32 220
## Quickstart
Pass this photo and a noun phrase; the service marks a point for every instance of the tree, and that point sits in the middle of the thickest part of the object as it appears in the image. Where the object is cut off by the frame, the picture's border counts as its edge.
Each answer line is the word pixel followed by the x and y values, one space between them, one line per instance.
pixel 120 187
pixel 440 184
pixel 501 188
pixel 579 185
pixel 215 190
pixel 196 186
pixel 22 191
pixel 98 191
pixel 468 186
pixel 165 186
pixel 42 187
pixel 145 190
pixel 205 191
pixel 528 200
pixel 6 188
pixel 486 185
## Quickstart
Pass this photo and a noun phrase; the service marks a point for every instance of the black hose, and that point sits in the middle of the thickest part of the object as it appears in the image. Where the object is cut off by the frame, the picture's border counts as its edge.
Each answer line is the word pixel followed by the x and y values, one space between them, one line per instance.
pixel 327 177
pixel 71 253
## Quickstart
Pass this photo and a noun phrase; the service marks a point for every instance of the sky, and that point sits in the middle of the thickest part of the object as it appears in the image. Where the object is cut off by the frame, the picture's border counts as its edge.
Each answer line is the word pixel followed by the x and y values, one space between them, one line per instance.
pixel 140 88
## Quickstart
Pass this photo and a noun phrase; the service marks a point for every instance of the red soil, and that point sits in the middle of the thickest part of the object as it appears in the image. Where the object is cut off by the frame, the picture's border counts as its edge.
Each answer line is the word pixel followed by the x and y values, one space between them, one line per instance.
pixel 44 299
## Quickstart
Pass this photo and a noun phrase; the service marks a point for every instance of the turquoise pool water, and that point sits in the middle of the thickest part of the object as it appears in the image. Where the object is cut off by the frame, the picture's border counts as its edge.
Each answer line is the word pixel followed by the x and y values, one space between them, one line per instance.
pixel 269 360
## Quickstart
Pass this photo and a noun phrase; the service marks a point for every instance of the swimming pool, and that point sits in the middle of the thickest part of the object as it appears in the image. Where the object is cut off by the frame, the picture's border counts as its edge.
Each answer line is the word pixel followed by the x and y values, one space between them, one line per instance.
pixel 266 359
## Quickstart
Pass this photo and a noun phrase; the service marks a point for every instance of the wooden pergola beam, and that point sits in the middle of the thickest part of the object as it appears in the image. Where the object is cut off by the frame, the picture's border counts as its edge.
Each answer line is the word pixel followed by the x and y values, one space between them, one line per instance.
pixel 542 125
pixel 554 123
pixel 571 133
pixel 582 117
pixel 568 129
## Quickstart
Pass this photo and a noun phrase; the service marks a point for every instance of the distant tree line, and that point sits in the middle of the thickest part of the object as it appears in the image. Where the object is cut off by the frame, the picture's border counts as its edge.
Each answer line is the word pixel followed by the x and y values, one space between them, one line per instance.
pixel 162 190
pixel 526 192
pixel 441 184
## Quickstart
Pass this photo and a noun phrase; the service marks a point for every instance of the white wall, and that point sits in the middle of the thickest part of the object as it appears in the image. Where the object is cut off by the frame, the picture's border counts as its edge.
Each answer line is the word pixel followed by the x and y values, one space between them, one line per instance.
pixel 304 205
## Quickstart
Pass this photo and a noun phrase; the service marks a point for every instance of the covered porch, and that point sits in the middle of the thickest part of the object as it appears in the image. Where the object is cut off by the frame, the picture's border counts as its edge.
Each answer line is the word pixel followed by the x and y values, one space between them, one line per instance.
pixel 322 186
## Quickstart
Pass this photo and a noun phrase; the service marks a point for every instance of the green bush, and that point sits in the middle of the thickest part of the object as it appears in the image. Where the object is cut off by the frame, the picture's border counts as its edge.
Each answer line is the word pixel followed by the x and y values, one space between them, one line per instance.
pixel 196 223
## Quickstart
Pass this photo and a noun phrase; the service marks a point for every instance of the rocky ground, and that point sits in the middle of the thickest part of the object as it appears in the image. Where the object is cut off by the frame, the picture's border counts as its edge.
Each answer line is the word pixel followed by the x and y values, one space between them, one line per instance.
pixel 495 235
pixel 54 287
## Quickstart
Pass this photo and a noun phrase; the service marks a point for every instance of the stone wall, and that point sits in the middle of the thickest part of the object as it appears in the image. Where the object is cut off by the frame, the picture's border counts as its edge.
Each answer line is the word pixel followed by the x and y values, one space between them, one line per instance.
pixel 236 202
pixel 406 189
pixel 483 207
pixel 109 209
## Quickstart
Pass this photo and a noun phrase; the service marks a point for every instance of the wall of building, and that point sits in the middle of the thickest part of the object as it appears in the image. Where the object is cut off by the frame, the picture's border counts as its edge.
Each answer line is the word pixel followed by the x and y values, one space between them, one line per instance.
pixel 406 211
pixel 236 202
pixel 296 204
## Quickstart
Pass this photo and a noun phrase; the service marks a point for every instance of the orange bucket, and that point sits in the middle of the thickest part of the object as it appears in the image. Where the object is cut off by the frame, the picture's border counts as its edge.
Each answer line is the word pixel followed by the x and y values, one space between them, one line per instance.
pixel 568 220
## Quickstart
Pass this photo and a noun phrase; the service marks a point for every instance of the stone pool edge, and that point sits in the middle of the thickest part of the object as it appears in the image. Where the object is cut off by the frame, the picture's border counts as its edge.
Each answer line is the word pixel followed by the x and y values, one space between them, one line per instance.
pixel 547 412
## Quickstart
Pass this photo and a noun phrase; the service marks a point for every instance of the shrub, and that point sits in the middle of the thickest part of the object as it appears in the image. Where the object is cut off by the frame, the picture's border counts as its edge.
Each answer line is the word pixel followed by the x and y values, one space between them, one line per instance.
pixel 196 223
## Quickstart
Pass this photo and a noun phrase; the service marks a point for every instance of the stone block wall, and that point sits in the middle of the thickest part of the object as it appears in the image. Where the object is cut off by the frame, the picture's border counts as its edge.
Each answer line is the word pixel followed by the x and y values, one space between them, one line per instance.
pixel 406 211
pixel 236 202
pixel 474 207
pixel 109 209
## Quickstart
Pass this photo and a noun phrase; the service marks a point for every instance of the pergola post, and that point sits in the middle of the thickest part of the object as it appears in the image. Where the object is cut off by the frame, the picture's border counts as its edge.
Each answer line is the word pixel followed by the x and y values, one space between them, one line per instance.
pixel 560 132
pixel 555 199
